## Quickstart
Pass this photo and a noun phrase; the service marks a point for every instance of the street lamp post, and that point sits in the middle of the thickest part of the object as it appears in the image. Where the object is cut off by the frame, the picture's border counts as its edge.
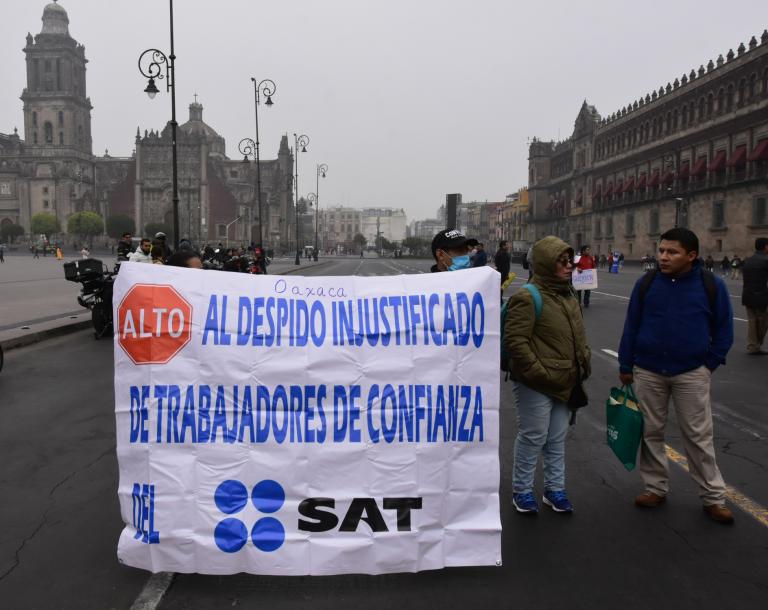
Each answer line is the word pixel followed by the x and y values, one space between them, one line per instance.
pixel 153 61
pixel 302 141
pixel 322 170
pixel 248 147
pixel 312 198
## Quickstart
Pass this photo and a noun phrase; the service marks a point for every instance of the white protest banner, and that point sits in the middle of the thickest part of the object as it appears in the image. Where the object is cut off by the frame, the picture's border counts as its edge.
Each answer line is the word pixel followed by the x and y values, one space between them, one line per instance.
pixel 307 425
pixel 586 279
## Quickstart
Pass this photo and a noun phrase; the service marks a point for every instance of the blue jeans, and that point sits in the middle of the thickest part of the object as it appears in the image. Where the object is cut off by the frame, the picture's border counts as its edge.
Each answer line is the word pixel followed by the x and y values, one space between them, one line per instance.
pixel 542 423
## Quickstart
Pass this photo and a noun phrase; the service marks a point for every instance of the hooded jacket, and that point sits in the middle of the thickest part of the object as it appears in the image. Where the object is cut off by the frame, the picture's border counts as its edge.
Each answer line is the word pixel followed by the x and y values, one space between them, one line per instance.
pixel 544 353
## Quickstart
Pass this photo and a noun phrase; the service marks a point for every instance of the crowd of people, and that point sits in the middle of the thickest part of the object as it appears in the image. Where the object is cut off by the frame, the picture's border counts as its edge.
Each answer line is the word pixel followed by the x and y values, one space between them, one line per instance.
pixel 677 332
pixel 157 251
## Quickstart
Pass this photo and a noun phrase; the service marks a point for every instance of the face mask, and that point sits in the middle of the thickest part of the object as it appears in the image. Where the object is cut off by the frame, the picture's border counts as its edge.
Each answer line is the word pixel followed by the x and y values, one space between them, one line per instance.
pixel 459 262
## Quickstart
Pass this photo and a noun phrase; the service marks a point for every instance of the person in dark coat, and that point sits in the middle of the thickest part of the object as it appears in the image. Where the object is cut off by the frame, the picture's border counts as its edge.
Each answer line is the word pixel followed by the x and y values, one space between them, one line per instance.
pixel 480 259
pixel 754 296
pixel 501 260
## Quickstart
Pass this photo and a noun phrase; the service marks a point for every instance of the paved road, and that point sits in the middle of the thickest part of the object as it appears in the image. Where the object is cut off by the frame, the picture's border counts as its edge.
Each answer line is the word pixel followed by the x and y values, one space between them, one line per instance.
pixel 61 516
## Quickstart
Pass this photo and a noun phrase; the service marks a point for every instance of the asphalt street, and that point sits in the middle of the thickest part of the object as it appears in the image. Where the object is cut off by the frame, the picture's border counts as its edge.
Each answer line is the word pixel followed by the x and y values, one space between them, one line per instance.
pixel 61 518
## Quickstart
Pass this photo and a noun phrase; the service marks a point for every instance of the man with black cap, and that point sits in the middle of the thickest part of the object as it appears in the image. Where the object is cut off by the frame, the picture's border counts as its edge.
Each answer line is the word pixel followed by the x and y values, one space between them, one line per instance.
pixel 451 250
pixel 167 252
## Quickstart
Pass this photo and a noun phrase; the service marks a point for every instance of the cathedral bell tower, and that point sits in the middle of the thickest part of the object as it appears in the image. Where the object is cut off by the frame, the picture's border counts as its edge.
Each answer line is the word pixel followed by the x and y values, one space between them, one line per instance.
pixel 57 113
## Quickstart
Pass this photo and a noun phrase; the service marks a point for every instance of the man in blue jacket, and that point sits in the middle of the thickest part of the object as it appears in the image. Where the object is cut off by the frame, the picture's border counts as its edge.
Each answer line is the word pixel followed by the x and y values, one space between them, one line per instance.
pixel 678 330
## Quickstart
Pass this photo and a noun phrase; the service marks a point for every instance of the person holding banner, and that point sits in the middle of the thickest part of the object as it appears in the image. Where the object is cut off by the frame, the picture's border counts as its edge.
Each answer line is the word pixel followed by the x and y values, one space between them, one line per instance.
pixel 450 248
pixel 586 261
pixel 549 359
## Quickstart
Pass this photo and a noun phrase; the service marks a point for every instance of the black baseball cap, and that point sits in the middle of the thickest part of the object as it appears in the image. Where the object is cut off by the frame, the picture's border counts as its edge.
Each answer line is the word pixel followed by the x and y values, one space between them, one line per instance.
pixel 449 239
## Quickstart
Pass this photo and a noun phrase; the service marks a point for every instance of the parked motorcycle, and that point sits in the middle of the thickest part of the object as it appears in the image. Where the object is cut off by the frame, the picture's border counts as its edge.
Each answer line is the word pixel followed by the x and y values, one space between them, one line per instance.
pixel 96 291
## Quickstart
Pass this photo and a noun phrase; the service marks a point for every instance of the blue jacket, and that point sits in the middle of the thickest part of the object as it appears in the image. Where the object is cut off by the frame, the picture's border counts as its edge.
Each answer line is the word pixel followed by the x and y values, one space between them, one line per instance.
pixel 673 330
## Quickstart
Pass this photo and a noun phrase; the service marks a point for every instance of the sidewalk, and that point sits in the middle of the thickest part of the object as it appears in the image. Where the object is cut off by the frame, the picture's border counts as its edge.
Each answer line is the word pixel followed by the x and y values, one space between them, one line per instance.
pixel 37 303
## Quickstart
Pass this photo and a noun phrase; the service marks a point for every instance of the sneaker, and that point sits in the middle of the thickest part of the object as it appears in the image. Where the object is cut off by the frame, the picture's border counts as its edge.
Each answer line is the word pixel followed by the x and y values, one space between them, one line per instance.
pixel 558 500
pixel 719 512
pixel 525 503
pixel 648 499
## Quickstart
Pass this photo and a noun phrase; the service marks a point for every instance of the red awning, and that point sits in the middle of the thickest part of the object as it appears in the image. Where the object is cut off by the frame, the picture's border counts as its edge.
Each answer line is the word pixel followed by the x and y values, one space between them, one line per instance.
pixel 609 189
pixel 629 185
pixel 598 192
pixel 700 167
pixel 760 153
pixel 718 163
pixel 685 170
pixel 654 181
pixel 579 197
pixel 641 181
pixel 669 177
pixel 738 157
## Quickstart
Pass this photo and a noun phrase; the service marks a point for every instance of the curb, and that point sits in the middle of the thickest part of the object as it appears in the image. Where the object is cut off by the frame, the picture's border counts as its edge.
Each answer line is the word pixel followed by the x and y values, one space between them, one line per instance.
pixel 42 335
pixel 73 327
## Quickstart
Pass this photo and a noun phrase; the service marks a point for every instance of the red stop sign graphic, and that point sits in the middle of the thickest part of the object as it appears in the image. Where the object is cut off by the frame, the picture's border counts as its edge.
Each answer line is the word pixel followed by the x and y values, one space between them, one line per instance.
pixel 153 323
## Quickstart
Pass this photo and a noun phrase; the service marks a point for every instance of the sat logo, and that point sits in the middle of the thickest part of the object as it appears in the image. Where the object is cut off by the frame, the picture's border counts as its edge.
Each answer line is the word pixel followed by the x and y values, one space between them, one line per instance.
pixel 154 322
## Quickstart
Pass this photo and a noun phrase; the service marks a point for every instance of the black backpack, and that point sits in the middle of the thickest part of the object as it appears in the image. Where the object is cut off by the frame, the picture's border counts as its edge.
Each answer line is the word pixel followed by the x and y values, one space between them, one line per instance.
pixel 707 278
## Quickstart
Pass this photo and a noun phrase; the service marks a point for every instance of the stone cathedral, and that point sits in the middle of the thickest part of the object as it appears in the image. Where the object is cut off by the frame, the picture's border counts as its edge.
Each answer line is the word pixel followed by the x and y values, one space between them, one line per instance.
pixel 53 168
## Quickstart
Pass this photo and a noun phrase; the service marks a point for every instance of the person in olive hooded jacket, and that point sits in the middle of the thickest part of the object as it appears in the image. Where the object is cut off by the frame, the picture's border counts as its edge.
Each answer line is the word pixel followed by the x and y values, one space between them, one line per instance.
pixel 548 358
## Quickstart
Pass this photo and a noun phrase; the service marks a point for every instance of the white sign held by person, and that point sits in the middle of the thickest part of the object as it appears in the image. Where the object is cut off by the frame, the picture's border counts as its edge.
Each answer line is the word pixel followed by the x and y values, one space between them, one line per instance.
pixel 307 425
pixel 586 279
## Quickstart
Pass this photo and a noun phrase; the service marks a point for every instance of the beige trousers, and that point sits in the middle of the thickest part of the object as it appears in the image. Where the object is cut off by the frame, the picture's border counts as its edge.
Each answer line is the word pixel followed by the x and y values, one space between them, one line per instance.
pixel 690 394
pixel 756 328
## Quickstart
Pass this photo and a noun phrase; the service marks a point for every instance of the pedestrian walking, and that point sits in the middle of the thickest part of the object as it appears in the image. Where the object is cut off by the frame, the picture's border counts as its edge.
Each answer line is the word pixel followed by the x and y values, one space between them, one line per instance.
pixel 754 296
pixel 736 264
pixel 609 262
pixel 2 253
pixel 678 330
pixel 501 260
pixel 586 261
pixel 549 359
pixel 59 253
pixel 35 252
pixel 85 252
pixel 725 266
pixel 709 263
pixel 621 260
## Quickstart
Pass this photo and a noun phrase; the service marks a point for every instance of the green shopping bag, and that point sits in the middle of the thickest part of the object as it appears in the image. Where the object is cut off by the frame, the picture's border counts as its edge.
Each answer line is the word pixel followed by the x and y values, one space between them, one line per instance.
pixel 625 425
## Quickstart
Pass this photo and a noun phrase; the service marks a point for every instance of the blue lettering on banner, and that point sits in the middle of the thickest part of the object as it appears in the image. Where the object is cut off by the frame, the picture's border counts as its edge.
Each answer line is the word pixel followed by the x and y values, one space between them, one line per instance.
pixel 300 414
pixel 143 497
pixel 289 322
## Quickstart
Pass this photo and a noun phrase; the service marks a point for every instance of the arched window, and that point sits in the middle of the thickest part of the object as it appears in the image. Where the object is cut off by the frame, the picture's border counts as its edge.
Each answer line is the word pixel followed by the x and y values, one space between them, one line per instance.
pixel 710 105
pixel 701 109
pixel 752 86
pixel 34 119
pixel 740 94
pixel 48 132
pixel 34 138
pixel 721 101
pixel 61 138
pixel 668 124
pixel 61 118
pixel 765 82
pixel 729 98
pixel 691 113
pixel 685 115
pixel 674 120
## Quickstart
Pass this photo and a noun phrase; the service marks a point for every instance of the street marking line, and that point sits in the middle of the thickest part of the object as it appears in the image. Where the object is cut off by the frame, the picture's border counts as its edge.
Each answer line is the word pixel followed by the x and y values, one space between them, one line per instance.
pixel 608 294
pixel 153 591
pixel 744 502
pixel 618 296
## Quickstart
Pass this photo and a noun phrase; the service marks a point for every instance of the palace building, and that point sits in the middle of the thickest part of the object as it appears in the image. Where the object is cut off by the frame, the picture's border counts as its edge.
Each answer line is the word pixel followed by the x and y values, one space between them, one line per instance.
pixel 53 169
pixel 694 153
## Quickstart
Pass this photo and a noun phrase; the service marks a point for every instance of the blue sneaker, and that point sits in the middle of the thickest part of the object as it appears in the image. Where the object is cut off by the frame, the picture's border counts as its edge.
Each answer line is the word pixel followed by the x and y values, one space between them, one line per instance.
pixel 558 500
pixel 525 502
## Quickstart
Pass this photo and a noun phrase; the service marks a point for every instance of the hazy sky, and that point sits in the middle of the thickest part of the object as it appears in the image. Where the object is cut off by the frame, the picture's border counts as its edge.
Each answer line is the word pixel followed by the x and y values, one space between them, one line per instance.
pixel 404 100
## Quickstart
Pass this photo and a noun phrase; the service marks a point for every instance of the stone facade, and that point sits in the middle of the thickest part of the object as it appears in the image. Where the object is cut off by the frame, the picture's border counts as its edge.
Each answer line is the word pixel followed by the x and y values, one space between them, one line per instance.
pixel 390 223
pixel 338 227
pixel 53 169
pixel 694 153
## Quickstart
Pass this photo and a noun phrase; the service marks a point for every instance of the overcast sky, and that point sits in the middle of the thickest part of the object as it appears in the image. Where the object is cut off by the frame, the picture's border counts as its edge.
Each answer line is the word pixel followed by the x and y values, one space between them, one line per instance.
pixel 405 100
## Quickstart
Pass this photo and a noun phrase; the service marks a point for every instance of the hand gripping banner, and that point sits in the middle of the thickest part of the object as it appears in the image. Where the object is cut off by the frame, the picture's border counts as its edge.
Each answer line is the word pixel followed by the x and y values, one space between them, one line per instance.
pixel 307 425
